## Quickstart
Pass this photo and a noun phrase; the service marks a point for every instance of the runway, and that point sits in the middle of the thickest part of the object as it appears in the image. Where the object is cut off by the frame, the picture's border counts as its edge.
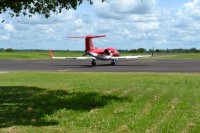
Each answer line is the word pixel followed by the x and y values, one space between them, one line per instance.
pixel 139 65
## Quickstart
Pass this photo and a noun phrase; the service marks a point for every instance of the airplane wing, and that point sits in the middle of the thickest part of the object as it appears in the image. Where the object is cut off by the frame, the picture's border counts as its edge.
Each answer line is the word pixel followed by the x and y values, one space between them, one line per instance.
pixel 79 58
pixel 109 57
pixel 131 57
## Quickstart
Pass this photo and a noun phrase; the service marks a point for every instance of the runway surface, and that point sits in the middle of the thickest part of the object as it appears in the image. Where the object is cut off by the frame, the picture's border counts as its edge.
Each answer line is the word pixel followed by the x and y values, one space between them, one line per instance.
pixel 102 66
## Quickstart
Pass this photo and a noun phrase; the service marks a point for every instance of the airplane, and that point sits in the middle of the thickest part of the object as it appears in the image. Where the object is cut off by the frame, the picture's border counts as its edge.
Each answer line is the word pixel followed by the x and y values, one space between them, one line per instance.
pixel 98 54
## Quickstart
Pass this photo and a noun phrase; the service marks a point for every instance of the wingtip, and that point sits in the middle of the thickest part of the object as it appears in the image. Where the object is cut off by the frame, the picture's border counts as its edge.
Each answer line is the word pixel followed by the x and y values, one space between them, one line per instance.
pixel 50 53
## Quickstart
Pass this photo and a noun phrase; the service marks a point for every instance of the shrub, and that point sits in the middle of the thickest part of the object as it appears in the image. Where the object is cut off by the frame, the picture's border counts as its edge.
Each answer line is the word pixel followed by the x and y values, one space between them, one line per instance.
pixel 9 50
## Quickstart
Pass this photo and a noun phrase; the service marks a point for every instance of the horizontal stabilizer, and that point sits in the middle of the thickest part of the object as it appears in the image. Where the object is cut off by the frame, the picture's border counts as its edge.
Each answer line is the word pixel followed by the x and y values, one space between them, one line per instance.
pixel 84 37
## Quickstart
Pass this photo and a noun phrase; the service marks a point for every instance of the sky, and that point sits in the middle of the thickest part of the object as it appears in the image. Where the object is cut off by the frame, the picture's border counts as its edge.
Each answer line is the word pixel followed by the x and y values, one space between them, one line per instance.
pixel 127 24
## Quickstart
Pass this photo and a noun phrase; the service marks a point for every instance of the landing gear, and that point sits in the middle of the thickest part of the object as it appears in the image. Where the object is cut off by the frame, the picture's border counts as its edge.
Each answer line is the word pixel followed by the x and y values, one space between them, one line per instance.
pixel 94 63
pixel 114 62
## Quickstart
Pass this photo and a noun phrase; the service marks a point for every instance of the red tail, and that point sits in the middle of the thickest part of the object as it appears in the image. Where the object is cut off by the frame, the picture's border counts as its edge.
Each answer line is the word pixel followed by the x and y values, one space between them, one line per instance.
pixel 89 45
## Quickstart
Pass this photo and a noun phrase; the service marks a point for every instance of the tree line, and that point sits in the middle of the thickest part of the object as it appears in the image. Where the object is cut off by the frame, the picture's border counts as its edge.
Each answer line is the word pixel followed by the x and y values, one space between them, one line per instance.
pixel 139 50
pixel 179 50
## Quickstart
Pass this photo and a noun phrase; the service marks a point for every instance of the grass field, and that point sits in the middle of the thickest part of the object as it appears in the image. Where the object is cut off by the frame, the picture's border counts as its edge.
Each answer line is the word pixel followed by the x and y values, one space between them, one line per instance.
pixel 99 102
pixel 34 55
pixel 45 55
pixel 179 56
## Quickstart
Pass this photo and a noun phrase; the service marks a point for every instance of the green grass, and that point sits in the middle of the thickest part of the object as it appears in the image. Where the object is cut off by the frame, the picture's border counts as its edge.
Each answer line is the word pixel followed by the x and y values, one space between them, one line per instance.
pixel 99 102
pixel 35 55
pixel 45 55
pixel 179 56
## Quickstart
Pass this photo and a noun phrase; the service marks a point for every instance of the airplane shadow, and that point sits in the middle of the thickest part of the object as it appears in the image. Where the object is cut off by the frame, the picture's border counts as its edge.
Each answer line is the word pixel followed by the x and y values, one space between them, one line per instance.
pixel 21 105
pixel 99 65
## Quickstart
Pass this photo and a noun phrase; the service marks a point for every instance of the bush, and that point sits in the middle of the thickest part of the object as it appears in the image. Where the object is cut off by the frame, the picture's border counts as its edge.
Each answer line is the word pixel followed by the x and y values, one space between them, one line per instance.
pixel 141 50
pixel 9 50
pixel 1 49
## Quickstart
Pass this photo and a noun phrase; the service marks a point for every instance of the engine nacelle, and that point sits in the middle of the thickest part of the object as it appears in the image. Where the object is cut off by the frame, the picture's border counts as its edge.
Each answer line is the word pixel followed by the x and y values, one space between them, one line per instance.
pixel 107 52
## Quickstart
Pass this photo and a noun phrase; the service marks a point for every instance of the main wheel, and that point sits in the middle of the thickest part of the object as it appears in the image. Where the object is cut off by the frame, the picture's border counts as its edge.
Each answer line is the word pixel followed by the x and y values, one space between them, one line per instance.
pixel 114 62
pixel 93 63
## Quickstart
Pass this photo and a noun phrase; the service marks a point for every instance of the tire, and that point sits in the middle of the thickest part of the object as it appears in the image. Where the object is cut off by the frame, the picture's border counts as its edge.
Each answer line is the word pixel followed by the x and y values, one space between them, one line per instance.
pixel 113 63
pixel 94 63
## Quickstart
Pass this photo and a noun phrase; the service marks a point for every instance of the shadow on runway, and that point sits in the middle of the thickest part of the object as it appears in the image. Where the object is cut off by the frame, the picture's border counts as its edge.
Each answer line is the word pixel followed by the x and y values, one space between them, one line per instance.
pixel 100 65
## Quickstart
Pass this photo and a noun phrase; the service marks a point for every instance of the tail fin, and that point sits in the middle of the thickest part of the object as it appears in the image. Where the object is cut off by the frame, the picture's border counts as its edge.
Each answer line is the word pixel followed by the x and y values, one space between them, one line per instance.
pixel 51 54
pixel 89 45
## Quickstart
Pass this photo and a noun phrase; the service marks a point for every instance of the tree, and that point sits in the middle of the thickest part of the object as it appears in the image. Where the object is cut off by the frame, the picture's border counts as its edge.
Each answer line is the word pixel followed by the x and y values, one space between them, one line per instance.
pixel 194 50
pixel 1 49
pixel 133 51
pixel 30 7
pixel 9 50
pixel 157 50
pixel 141 50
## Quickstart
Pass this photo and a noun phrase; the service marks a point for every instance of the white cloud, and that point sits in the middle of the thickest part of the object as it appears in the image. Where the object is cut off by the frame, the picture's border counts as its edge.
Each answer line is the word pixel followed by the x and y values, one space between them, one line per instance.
pixel 118 9
pixel 9 28
pixel 161 42
pixel 41 33
pixel 190 10
pixel 147 26
pixel 4 37
pixel 133 6
pixel 193 9
pixel 1 19
pixel 143 18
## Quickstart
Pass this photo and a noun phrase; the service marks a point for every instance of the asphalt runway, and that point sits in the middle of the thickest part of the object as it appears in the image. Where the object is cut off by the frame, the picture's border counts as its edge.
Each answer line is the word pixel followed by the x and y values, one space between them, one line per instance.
pixel 139 65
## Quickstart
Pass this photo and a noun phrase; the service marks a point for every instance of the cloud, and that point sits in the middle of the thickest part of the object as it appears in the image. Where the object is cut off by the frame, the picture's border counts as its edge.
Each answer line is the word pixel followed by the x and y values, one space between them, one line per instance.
pixel 192 9
pixel 133 6
pixel 127 25
pixel 41 33
pixel 9 28
pixel 4 37
pixel 5 30
pixel 119 9
pixel 147 27
pixel 187 23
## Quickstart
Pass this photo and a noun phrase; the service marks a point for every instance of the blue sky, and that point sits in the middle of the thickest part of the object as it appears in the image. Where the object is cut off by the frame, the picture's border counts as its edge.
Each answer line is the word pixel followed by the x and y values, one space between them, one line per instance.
pixel 127 24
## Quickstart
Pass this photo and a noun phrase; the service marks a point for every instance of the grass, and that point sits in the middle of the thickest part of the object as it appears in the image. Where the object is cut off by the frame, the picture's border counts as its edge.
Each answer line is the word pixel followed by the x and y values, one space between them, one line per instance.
pixel 35 55
pixel 99 102
pixel 45 55
pixel 179 56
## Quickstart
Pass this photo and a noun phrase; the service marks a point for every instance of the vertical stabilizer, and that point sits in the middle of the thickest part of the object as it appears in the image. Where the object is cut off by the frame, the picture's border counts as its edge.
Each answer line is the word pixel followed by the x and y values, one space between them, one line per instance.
pixel 89 45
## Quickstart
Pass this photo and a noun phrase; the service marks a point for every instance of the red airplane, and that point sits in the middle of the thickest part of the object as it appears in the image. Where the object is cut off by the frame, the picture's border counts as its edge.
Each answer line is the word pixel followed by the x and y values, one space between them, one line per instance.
pixel 98 54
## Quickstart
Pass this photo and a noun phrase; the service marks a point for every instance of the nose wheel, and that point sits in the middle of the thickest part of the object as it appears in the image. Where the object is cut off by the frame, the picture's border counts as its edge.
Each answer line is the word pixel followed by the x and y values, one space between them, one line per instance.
pixel 94 62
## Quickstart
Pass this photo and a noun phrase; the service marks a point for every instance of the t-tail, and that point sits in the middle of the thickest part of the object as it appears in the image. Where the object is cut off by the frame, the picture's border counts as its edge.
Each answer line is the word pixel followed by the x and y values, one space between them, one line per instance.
pixel 89 45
